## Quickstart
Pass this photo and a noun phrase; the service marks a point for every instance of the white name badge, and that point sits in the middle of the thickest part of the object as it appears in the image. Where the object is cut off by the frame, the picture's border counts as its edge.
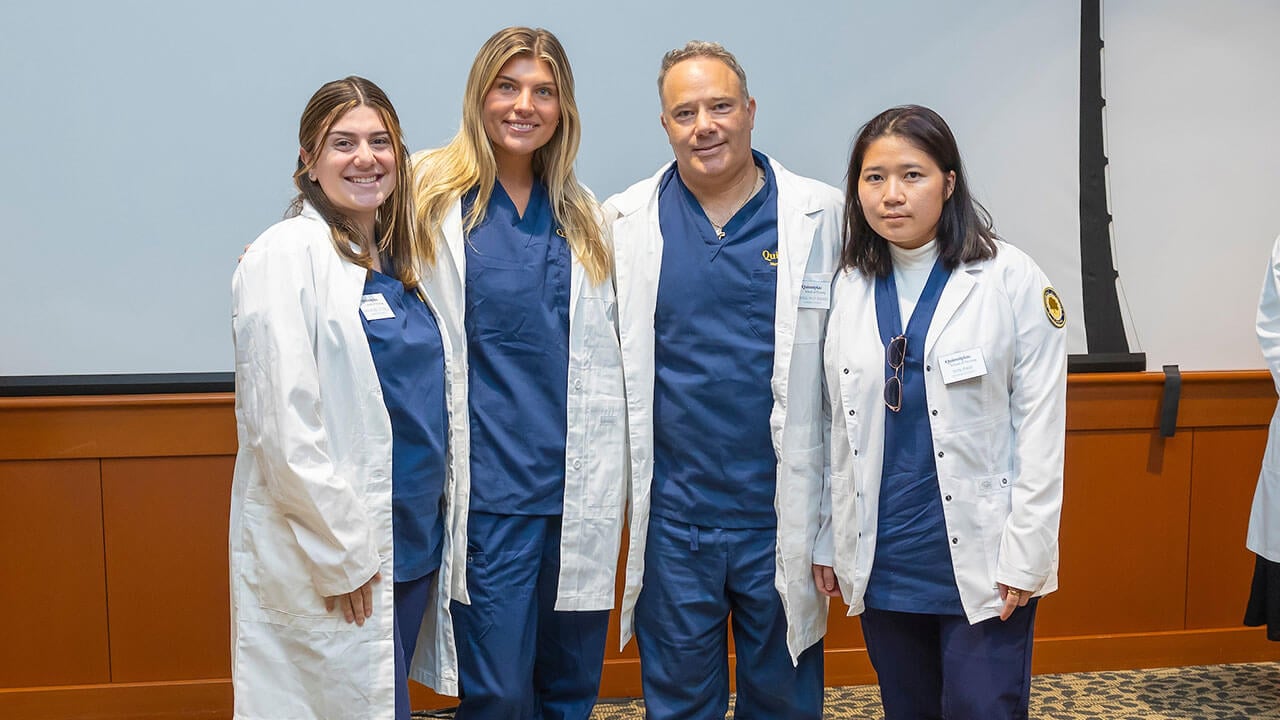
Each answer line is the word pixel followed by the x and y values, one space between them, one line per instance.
pixel 962 365
pixel 815 291
pixel 375 307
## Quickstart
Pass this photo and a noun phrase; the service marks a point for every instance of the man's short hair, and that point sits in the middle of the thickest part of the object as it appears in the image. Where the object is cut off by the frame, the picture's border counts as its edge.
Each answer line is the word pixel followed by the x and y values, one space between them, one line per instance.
pixel 702 49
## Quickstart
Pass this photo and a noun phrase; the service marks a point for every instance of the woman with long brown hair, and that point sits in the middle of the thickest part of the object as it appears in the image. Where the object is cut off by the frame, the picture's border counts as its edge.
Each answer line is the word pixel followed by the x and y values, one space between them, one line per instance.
pixel 341 550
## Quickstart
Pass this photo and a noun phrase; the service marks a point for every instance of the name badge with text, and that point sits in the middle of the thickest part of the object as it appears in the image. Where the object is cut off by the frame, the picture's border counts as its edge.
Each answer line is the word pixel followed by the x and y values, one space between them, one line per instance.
pixel 962 365
pixel 375 307
pixel 815 291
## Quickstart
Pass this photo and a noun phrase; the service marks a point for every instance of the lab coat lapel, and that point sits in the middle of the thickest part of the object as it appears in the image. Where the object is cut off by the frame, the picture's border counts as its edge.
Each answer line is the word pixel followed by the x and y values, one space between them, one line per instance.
pixel 960 284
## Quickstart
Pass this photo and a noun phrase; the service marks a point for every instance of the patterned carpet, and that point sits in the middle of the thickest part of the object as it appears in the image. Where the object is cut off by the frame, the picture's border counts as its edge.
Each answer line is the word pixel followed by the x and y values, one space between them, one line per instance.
pixel 1210 692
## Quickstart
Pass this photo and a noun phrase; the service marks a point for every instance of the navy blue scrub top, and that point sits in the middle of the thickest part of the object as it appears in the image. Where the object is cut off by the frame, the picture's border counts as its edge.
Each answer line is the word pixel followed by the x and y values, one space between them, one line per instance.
pixel 408 354
pixel 517 321
pixel 912 570
pixel 714 463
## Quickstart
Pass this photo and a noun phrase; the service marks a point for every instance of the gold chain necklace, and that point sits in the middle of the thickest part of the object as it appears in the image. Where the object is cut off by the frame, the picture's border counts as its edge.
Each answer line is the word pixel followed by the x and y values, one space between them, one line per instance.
pixel 755 188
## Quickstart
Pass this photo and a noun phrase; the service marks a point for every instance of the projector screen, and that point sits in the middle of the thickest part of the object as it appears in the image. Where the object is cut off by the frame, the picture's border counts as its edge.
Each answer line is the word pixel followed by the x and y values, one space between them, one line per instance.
pixel 149 141
pixel 1192 99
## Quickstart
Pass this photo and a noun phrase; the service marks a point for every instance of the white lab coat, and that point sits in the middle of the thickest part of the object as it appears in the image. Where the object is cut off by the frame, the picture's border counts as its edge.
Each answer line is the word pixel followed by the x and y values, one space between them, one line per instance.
pixel 809 219
pixel 998 438
pixel 1264 519
pixel 311 495
pixel 595 447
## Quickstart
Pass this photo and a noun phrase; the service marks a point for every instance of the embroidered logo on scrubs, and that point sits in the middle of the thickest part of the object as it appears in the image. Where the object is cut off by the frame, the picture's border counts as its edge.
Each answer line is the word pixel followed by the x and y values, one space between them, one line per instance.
pixel 770 257
pixel 1053 308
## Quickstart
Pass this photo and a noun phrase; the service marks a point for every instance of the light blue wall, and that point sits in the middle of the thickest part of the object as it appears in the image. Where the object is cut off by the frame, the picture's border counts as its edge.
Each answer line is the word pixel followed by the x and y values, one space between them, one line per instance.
pixel 146 142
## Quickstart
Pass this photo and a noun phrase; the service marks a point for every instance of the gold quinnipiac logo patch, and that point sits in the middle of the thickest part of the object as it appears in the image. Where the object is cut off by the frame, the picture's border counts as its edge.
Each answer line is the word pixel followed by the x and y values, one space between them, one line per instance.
pixel 1053 308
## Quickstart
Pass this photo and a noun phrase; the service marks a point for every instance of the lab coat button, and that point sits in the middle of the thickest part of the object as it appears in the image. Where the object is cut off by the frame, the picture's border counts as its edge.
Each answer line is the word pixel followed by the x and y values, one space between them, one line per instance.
pixel 846 371
pixel 851 412
pixel 940 453
pixel 948 498
pixel 955 541
pixel 928 368
pixel 577 384
pixel 1004 481
pixel 855 452
pixel 577 464
pixel 935 412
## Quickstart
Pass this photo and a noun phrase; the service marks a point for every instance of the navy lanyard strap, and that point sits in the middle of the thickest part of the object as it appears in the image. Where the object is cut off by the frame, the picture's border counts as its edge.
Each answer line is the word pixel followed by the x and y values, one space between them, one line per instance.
pixel 889 317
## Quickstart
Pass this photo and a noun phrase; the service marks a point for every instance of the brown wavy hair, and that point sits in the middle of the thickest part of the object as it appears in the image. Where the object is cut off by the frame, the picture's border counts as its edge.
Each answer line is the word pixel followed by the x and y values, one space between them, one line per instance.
pixel 393 229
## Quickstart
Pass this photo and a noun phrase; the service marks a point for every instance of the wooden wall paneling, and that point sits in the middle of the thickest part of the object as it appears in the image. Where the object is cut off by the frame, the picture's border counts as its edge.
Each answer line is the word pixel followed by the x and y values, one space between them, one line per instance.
pixel 1118 401
pixel 1123 536
pixel 1140 521
pixel 117 426
pixel 1091 653
pixel 1227 399
pixel 165 522
pixel 51 570
pixel 190 700
pixel 1114 401
pixel 1224 470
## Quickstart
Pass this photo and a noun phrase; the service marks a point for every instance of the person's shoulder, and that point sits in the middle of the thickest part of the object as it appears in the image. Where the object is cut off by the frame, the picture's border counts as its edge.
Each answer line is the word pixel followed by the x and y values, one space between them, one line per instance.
pixel 287 240
pixel 1012 258
pixel 636 196
pixel 824 194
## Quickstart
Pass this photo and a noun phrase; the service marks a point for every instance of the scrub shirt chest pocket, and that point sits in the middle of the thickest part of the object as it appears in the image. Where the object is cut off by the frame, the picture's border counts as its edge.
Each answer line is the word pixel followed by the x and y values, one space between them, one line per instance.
pixel 753 293
pixel 495 291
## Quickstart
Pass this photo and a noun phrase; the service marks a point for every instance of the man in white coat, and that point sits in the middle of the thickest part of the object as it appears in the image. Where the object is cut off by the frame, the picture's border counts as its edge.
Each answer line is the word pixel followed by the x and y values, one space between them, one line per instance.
pixel 724 263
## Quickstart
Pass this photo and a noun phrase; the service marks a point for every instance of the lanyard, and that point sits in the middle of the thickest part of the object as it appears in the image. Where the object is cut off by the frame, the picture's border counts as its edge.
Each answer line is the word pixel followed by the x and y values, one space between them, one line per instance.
pixel 889 317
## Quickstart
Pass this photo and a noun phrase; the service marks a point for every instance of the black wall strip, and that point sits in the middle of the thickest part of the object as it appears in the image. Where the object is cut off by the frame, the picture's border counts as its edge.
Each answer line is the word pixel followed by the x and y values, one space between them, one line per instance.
pixel 150 384
pixel 1103 324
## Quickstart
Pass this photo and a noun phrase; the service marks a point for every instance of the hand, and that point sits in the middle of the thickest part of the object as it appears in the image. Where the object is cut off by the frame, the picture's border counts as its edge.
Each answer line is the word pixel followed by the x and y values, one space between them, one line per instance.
pixel 357 605
pixel 1013 598
pixel 825 578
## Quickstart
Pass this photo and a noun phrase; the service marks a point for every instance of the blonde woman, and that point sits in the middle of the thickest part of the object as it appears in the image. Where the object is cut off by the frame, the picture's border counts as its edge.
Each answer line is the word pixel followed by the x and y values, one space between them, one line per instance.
pixel 515 244
pixel 341 554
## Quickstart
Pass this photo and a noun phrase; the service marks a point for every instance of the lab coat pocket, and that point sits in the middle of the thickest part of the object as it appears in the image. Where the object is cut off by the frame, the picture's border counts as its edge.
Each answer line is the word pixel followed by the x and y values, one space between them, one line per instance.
pixel 597 315
pixel 845 523
pixel 605 453
pixel 276 574
pixel 994 495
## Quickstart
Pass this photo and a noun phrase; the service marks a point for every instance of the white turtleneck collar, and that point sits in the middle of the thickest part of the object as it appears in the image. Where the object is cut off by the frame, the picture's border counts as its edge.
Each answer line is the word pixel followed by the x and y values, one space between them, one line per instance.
pixel 911 270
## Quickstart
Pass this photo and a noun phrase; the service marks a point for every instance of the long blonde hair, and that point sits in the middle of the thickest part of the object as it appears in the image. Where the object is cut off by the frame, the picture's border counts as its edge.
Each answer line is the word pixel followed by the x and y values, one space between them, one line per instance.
pixel 443 175
pixel 393 230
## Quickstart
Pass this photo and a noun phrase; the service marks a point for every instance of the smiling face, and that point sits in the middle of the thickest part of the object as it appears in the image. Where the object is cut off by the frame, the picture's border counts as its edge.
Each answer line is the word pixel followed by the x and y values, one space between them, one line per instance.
pixel 521 109
pixel 708 121
pixel 902 190
pixel 356 165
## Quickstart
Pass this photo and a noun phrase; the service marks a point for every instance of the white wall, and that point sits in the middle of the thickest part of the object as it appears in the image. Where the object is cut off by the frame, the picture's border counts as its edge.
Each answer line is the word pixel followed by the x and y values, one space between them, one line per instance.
pixel 147 141
pixel 1193 94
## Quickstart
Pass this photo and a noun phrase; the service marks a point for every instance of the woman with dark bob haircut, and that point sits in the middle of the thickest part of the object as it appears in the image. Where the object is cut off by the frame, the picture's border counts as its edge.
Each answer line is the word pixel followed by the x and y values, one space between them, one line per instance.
pixel 945 364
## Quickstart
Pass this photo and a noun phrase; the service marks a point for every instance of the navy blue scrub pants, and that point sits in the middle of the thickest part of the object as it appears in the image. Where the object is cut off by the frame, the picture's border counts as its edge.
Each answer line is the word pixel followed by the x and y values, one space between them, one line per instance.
pixel 696 581
pixel 410 599
pixel 939 666
pixel 518 658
